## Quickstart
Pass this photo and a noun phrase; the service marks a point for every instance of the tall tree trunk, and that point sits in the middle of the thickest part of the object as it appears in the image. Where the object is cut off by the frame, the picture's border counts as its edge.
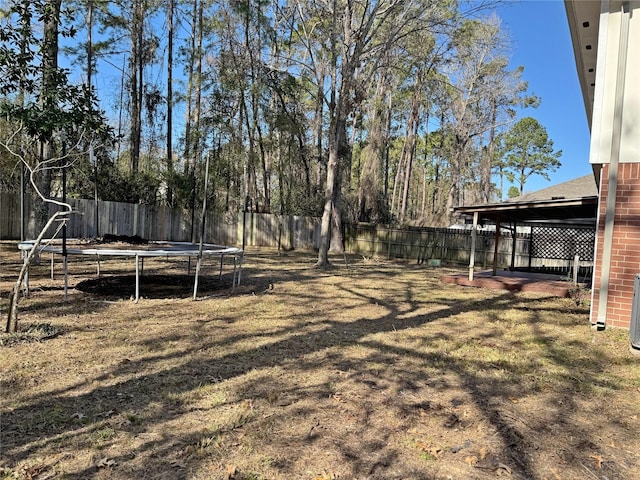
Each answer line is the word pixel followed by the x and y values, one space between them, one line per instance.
pixel 49 85
pixel 197 112
pixel 370 188
pixel 453 198
pixel 387 148
pixel 255 130
pixel 89 48
pixel 169 161
pixel 195 138
pixel 317 127
pixel 336 123
pixel 423 203
pixel 121 108
pixel 190 85
pixel 331 215
pixel 136 63
pixel 396 182
pixel 252 175
pixel 487 158
pixel 425 162
pixel 409 148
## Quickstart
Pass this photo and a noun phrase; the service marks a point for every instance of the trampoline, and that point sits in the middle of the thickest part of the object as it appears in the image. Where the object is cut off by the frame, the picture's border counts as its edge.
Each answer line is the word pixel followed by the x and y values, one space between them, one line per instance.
pixel 71 247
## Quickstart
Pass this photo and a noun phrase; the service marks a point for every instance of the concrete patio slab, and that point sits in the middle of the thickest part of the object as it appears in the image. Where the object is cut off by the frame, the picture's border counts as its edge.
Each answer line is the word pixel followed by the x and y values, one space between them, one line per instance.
pixel 514 281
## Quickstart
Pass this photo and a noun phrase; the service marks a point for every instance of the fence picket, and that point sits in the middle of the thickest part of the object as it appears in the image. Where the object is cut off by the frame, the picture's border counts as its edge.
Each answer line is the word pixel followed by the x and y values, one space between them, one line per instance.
pixel 445 245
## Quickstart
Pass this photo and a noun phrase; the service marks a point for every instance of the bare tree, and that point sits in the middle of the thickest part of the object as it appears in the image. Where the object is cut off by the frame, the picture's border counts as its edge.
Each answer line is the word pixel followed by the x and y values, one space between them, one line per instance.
pixel 355 39
pixel 40 168
pixel 483 99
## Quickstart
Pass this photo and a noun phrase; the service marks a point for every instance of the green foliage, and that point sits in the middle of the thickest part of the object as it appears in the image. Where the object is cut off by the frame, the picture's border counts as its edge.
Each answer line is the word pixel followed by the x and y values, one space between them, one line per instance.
pixel 264 90
pixel 527 150
pixel 40 97
pixel 513 192
pixel 130 187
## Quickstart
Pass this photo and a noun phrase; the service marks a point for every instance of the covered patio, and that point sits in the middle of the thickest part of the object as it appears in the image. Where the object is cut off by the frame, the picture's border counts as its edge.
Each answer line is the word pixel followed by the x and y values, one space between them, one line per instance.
pixel 572 205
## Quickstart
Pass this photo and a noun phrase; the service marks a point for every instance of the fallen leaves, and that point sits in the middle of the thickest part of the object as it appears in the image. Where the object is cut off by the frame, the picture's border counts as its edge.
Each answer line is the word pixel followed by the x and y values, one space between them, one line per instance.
pixel 597 460
pixel 106 462
pixel 498 468
pixel 33 471
pixel 326 476
pixel 431 450
pixel 231 471
pixel 214 387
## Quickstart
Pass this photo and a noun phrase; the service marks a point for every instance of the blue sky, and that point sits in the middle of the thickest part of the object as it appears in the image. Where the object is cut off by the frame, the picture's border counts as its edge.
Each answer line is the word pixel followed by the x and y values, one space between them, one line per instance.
pixel 541 43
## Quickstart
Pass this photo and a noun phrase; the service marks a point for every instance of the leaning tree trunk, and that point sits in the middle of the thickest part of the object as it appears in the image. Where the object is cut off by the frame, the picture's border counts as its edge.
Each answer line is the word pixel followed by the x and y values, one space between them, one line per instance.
pixel 12 319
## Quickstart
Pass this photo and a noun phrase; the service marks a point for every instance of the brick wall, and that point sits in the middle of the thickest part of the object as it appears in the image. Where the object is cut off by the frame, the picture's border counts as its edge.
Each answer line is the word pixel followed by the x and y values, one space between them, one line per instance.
pixel 625 254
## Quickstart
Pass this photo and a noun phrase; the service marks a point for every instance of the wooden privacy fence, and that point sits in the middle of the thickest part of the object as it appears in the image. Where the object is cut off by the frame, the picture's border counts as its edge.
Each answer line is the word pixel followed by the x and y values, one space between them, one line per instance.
pixel 557 249
pixel 548 248
pixel 160 223
pixel 445 245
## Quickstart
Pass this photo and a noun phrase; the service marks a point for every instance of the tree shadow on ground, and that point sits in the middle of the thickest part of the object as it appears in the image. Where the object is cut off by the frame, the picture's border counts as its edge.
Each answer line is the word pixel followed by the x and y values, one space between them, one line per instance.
pixel 378 372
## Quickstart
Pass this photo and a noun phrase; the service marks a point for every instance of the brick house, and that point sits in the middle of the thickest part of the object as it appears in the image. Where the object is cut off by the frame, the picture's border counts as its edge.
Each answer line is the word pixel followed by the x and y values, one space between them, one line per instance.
pixel 606 42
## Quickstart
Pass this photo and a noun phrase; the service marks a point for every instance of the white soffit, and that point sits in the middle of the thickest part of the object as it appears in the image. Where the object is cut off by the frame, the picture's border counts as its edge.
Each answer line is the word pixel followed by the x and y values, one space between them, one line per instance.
pixel 584 19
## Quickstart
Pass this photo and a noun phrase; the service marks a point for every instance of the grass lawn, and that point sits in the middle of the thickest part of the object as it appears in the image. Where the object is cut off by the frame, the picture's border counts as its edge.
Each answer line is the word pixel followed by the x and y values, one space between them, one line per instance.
pixel 375 371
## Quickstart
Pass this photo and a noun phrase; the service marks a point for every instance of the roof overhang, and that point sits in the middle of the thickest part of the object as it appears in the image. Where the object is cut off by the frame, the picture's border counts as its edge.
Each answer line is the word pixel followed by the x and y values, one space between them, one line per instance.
pixel 584 21
pixel 567 211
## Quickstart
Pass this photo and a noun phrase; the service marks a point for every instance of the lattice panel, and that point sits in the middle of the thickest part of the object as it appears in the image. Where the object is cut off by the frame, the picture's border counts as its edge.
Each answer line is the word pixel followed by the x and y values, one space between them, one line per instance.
pixel 562 242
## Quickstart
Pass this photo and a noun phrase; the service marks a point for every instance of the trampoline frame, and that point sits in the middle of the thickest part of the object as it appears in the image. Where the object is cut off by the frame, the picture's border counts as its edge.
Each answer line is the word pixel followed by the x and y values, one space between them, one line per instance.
pixel 151 249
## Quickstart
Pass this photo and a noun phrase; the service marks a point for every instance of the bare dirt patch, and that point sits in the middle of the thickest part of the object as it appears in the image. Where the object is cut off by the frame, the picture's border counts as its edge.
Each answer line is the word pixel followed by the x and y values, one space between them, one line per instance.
pixel 376 371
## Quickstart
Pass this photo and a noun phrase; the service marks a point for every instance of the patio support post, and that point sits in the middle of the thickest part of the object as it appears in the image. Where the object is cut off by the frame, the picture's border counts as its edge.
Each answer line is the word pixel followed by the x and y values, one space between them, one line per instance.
pixel 530 248
pixel 474 236
pixel 513 245
pixel 495 247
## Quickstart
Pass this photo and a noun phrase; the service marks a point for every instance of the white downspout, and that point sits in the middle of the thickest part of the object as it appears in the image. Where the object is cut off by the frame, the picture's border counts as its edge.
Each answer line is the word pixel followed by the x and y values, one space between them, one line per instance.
pixel 474 236
pixel 607 245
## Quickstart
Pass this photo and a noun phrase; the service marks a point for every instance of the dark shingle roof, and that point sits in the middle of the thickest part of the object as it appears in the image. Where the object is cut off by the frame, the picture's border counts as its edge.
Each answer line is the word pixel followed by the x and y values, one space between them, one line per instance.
pixel 576 188
pixel 574 201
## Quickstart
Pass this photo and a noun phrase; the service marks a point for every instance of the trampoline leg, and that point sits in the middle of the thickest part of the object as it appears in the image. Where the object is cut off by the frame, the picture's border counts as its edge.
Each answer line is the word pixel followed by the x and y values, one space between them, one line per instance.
pixel 220 274
pixel 240 269
pixel 51 265
pixel 233 282
pixel 26 276
pixel 98 265
pixel 195 278
pixel 137 278
pixel 66 279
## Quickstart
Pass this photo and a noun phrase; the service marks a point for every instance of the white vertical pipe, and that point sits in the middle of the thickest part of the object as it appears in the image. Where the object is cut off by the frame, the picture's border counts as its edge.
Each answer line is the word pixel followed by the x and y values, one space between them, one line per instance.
pixel 612 186
pixel 202 220
pixel 474 237
pixel 137 278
